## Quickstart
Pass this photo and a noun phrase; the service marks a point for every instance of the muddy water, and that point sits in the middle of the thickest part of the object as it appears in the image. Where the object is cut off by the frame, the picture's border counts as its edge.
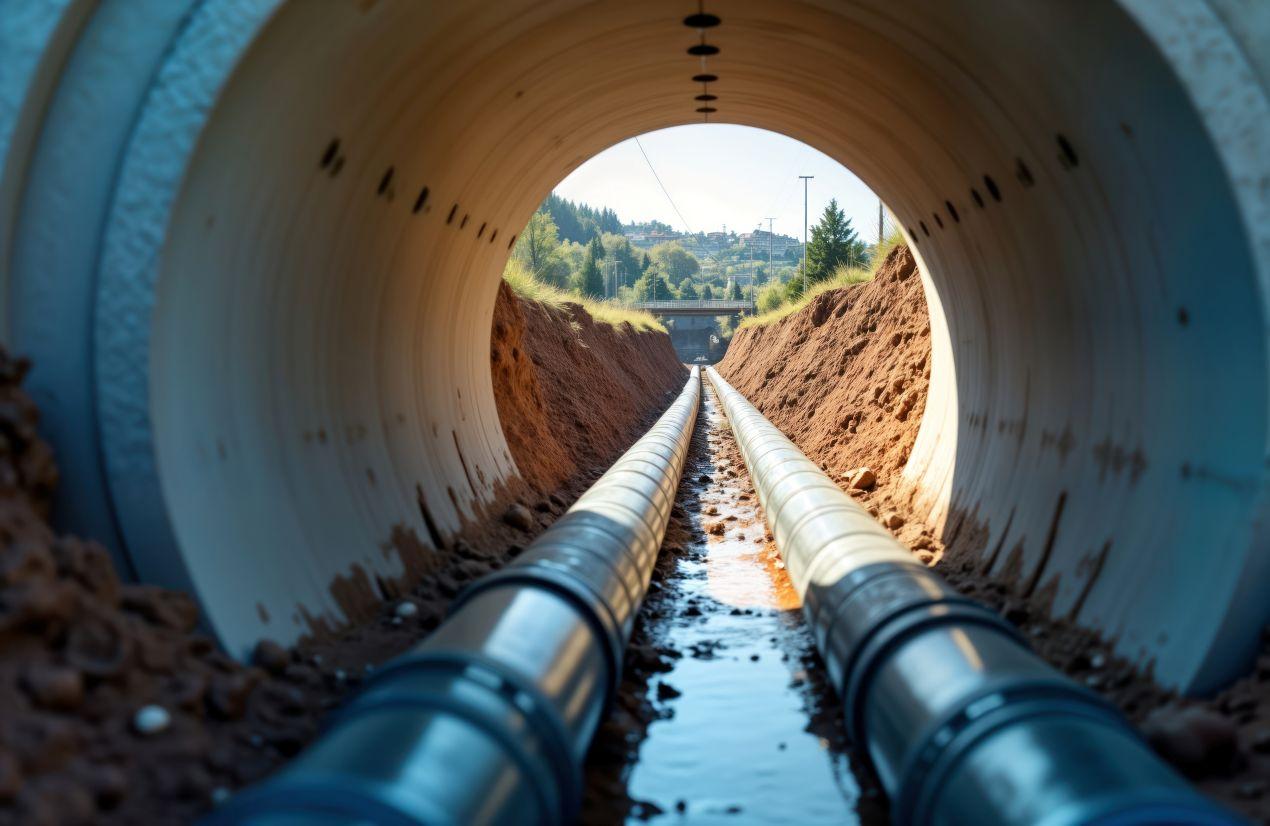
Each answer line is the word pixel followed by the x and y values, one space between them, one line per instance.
pixel 746 732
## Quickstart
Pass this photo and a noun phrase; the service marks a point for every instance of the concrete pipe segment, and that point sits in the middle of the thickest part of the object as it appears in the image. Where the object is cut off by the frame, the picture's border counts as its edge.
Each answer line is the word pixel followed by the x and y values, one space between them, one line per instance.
pixel 963 723
pixel 253 246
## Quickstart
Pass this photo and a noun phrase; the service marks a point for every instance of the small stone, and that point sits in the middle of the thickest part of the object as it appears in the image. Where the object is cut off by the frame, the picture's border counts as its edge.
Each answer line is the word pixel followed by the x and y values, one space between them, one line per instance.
pixel 893 521
pixel 54 687
pixel 1195 739
pixel 715 528
pixel 219 795
pixel 271 657
pixel 151 719
pixel 519 517
pixel 406 609
pixel 227 694
pixel 862 479
pixel 340 675
pixel 925 557
pixel 703 479
pixel 1098 660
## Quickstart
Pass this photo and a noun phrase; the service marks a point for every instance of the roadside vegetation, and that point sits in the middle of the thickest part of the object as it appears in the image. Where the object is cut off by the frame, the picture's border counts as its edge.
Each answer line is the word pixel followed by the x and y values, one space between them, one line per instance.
pixel 525 285
pixel 777 300
pixel 575 252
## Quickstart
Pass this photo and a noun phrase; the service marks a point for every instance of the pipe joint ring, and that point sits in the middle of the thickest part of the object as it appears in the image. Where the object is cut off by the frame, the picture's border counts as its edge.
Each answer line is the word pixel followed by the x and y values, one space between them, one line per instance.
pixel 560 581
pixel 892 631
pixel 557 781
pixel 996 705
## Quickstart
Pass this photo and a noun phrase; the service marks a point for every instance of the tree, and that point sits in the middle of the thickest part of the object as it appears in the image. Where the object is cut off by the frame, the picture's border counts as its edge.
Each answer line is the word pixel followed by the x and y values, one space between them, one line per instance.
pixel 653 286
pixel 596 249
pixel 833 243
pixel 679 263
pixel 707 293
pixel 734 291
pixel 536 244
pixel 687 291
pixel 590 280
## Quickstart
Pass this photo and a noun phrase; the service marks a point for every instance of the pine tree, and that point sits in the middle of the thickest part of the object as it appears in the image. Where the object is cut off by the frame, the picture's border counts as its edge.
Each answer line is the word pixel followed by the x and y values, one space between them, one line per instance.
pixel 687 291
pixel 590 279
pixel 833 243
pixel 734 292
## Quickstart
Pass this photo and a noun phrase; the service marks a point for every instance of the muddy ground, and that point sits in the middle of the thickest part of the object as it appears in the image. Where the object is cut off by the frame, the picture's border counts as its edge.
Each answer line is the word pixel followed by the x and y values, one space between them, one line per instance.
pixel 114 708
pixel 846 378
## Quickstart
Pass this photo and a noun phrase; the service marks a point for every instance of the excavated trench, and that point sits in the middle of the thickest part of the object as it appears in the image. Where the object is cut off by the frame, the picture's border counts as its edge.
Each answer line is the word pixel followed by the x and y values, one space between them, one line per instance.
pixel 253 247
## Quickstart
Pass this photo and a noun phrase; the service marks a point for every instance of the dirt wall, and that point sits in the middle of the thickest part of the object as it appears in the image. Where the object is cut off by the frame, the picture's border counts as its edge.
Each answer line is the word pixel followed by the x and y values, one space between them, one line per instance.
pixel 570 391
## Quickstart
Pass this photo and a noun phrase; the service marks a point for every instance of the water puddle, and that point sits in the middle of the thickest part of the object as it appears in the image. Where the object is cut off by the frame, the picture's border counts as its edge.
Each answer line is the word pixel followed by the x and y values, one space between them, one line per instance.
pixel 744 736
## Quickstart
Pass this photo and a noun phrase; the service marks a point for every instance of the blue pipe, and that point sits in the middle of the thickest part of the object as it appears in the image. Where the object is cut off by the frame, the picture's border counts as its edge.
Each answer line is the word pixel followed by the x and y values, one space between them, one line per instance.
pixel 488 720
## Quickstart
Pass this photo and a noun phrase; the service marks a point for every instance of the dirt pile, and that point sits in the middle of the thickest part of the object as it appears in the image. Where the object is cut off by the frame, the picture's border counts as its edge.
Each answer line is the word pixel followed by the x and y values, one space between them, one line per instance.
pixel 115 709
pixel 846 378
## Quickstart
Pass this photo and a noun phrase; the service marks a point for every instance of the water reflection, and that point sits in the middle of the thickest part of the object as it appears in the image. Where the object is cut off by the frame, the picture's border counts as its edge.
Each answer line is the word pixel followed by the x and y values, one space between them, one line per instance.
pixel 740 744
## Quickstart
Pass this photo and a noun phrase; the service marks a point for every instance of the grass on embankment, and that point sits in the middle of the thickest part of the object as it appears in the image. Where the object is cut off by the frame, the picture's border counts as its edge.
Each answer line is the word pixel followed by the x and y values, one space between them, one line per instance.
pixel 523 283
pixel 844 276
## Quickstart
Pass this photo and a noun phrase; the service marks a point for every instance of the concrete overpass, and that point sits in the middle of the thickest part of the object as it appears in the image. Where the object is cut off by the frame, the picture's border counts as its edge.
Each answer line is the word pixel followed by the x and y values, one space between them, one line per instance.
pixel 701 307
pixel 692 323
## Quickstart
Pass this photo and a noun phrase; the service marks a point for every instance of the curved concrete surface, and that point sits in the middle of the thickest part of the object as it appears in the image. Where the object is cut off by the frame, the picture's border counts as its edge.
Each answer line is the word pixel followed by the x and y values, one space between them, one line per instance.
pixel 253 247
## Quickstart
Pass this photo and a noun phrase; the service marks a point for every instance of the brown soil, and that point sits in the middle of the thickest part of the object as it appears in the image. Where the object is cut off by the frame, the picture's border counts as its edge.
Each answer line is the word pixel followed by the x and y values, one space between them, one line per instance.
pixel 561 401
pixel 82 653
pixel 846 378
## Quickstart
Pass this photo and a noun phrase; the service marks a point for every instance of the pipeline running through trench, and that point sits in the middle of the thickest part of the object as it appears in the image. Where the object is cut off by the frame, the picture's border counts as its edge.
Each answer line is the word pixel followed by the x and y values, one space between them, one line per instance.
pixel 724 710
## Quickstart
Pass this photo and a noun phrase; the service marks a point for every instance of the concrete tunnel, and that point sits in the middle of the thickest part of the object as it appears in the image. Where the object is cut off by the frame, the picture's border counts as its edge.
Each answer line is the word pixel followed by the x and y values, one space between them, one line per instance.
pixel 252 247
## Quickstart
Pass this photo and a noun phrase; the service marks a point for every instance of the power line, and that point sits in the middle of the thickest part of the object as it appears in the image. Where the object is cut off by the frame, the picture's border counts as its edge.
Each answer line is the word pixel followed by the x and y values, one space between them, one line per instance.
pixel 665 192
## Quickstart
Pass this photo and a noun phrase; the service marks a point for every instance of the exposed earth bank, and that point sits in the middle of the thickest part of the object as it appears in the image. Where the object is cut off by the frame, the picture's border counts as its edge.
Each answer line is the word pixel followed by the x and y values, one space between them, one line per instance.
pixel 114 708
pixel 846 378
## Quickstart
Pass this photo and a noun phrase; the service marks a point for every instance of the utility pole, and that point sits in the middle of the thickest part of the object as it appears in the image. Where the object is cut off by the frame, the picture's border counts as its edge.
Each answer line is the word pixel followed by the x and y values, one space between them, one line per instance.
pixel 751 246
pixel 805 178
pixel 879 222
pixel 770 267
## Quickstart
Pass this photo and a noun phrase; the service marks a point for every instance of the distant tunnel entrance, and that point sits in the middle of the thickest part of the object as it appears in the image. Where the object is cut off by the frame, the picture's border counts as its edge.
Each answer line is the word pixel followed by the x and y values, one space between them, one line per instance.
pixel 255 262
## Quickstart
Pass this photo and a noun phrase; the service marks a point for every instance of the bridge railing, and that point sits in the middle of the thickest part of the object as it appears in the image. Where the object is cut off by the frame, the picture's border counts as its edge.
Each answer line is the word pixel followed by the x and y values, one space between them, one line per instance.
pixel 724 306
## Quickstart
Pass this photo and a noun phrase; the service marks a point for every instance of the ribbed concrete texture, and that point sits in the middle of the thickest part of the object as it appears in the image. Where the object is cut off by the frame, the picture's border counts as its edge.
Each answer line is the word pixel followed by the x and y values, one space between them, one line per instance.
pixel 253 247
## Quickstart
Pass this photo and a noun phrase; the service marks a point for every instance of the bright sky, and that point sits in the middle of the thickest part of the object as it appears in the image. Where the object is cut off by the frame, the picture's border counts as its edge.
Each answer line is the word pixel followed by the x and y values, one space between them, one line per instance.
pixel 721 174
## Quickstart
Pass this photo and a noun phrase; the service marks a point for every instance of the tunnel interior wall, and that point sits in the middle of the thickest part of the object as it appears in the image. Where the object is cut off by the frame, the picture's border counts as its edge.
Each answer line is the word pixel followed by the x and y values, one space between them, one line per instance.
pixel 267 343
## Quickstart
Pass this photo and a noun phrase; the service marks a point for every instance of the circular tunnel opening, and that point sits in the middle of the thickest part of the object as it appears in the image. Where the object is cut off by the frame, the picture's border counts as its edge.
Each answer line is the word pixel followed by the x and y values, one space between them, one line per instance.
pixel 290 311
